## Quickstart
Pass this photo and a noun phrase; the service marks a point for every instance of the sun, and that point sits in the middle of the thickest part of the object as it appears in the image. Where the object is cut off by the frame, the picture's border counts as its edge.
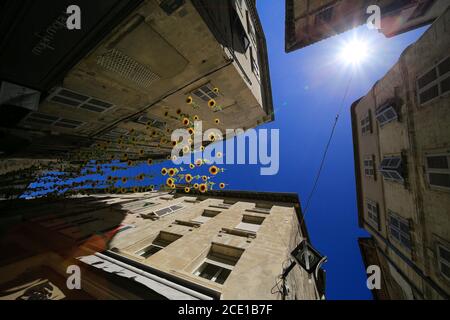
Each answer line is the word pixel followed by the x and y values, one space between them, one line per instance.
pixel 354 52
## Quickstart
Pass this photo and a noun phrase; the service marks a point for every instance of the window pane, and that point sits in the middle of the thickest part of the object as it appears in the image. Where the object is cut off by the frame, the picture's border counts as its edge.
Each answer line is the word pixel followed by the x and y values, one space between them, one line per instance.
pixel 404 227
pixel 427 78
pixel 445 270
pixel 444 254
pixel 445 85
pixel 395 234
pixel 444 67
pixel 209 271
pixel 429 94
pixel 437 162
pixel 440 179
pixel 149 251
pixel 405 241
pixel 223 276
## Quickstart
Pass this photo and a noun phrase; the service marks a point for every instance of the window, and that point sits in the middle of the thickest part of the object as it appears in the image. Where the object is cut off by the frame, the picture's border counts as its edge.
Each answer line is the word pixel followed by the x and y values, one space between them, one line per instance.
pixel 324 16
pixel 250 223
pixel 206 215
pixel 240 39
pixel 386 114
pixel 369 166
pixel 165 211
pixel 443 254
pixel 260 208
pixel 205 92
pixel 255 67
pixel 150 122
pixel 399 230
pixel 219 263
pixel 162 240
pixel 435 82
pixel 73 99
pixel 392 169
pixel 438 170
pixel 366 123
pixel 373 213
pixel 37 118
pixel 250 28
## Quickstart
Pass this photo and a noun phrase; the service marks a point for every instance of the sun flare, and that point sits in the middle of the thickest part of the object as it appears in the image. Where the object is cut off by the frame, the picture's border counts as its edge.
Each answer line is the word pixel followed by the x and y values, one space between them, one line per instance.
pixel 354 52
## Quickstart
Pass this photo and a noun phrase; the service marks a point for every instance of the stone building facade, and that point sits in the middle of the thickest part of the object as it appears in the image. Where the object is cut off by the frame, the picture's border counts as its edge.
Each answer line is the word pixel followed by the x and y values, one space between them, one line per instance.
pixel 119 86
pixel 401 135
pixel 310 21
pixel 158 245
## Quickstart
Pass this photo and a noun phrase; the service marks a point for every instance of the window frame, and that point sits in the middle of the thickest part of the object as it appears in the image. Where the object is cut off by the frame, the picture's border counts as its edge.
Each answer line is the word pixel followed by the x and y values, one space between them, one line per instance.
pixel 254 64
pixel 204 93
pixel 437 82
pixel 221 266
pixel 441 260
pixel 407 222
pixel 436 170
pixel 53 123
pixel 392 170
pixel 374 222
pixel 373 167
pixel 382 110
pixel 366 128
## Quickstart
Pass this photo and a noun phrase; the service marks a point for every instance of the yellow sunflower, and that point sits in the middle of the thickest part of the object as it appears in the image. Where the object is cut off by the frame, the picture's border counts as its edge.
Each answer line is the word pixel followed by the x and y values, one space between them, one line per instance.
pixel 213 170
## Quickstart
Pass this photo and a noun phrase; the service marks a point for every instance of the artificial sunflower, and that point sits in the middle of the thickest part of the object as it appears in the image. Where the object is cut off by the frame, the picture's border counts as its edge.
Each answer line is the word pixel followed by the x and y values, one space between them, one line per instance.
pixel 203 188
pixel 195 185
pixel 196 118
pixel 170 182
pixel 124 180
pixel 172 172
pixel 198 162
pixel 222 185
pixel 212 103
pixel 135 189
pixel 219 154
pixel 188 178
pixel 204 178
pixel 213 170
pixel 189 100
pixel 149 161
pixel 216 90
pixel 141 152
pixel 191 131
pixel 191 165
pixel 186 121
pixel 178 111
pixel 163 171
pixel 216 121
pixel 187 189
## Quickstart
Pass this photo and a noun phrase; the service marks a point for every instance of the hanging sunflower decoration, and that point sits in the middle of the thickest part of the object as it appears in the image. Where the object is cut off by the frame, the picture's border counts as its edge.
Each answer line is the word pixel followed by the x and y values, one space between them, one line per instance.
pixel 219 154
pixel 172 172
pixel 213 170
pixel 195 185
pixel 192 166
pixel 189 100
pixel 186 121
pixel 204 178
pixel 216 90
pixel 188 178
pixel 178 112
pixel 203 188
pixel 216 121
pixel 163 171
pixel 196 118
pixel 187 189
pixel 222 185
pixel 170 182
pixel 124 180
pixel 149 161
pixel 211 103
pixel 191 131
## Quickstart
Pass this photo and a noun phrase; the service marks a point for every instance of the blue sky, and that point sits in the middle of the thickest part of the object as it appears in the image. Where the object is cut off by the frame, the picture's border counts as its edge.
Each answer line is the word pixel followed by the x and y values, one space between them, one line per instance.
pixel 308 86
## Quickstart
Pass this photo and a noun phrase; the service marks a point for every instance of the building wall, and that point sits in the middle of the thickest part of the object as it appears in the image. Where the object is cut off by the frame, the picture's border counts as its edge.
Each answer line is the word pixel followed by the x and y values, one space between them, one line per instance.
pixel 147 66
pixel 310 21
pixel 126 224
pixel 420 130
